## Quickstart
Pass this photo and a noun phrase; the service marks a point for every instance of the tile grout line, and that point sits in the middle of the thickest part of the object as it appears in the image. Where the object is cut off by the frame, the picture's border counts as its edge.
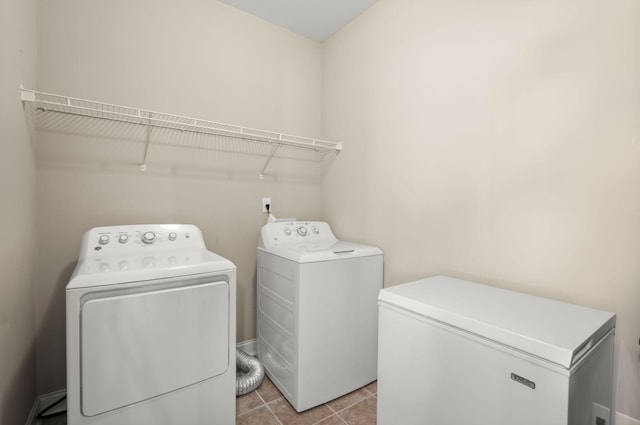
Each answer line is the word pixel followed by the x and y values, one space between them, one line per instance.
pixel 249 411
pixel 363 400
pixel 333 414
pixel 260 397
pixel 336 413
pixel 353 404
pixel 264 403
pixel 271 411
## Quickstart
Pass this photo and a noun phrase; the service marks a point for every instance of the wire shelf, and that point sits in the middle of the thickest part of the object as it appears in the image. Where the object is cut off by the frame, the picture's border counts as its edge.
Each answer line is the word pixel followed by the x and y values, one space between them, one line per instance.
pixel 41 106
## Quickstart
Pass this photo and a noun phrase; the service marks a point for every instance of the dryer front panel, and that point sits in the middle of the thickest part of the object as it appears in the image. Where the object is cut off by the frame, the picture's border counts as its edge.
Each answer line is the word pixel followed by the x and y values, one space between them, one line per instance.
pixel 136 346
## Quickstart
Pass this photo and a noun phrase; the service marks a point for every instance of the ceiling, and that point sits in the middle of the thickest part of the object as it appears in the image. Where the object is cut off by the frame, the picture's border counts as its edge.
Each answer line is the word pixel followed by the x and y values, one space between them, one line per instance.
pixel 315 19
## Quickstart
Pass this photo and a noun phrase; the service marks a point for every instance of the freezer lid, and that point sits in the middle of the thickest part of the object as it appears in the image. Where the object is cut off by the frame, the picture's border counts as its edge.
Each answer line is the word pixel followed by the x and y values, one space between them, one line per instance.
pixel 559 332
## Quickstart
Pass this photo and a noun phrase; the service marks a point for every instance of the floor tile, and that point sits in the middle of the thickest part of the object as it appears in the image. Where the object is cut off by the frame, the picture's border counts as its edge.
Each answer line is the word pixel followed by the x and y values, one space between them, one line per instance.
pixel 268 391
pixel 247 402
pixel 260 416
pixel 332 420
pixel 347 400
pixel 362 413
pixel 288 416
pixel 372 387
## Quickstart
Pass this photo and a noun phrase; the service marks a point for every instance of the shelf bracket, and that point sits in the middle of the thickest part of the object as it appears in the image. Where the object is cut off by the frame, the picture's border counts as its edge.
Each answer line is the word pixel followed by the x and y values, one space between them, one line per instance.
pixel 274 149
pixel 29 96
pixel 143 166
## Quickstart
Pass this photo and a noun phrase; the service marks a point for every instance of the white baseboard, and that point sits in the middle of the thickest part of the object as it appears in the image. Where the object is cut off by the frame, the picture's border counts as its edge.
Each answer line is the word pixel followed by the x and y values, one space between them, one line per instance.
pixel 625 420
pixel 249 347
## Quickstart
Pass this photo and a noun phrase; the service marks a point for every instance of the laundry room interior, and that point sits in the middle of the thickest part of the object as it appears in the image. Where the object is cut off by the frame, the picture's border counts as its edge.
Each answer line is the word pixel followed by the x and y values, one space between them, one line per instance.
pixel 496 142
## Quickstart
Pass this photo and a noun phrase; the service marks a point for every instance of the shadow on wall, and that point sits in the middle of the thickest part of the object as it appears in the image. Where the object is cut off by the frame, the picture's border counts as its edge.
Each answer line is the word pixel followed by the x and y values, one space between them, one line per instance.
pixel 92 143
pixel 52 325
pixel 51 336
pixel 628 377
pixel 14 400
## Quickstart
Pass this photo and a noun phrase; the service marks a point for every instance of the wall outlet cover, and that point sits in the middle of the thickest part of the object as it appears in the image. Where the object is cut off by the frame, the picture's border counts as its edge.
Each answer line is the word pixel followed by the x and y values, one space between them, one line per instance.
pixel 600 415
pixel 265 202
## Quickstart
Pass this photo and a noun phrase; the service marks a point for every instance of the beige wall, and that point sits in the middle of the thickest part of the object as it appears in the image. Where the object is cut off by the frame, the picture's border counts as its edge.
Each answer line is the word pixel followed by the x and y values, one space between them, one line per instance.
pixel 495 141
pixel 17 214
pixel 198 58
pixel 498 142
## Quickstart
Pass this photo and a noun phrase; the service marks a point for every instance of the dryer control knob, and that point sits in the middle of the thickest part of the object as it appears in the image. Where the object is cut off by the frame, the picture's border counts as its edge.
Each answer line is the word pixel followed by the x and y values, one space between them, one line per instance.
pixel 148 237
pixel 103 240
pixel 172 236
pixel 287 231
pixel 123 238
pixel 316 230
pixel 302 231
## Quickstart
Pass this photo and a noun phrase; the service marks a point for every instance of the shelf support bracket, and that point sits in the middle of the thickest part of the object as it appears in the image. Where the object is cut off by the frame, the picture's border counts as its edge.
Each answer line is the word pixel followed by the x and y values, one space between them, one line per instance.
pixel 274 149
pixel 143 166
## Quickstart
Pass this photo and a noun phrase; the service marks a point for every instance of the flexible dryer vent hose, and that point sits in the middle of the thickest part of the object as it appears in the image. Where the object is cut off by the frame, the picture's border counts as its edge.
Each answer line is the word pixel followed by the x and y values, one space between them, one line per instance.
pixel 252 373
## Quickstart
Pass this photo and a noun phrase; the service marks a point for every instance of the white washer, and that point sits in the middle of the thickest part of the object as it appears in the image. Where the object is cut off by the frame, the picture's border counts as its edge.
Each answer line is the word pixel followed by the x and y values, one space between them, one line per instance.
pixel 316 311
pixel 150 329
pixel 455 352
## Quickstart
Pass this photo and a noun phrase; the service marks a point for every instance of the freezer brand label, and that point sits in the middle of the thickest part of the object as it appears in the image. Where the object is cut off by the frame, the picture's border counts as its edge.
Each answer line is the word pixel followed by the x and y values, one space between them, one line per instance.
pixel 524 381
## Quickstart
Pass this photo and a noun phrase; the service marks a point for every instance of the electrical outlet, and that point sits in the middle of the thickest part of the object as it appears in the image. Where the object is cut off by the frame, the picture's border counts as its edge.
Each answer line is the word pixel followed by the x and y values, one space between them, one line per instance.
pixel 265 202
pixel 600 415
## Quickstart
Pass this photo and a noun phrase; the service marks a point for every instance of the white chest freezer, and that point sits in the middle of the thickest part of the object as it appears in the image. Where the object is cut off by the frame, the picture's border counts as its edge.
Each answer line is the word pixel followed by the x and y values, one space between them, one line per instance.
pixel 452 352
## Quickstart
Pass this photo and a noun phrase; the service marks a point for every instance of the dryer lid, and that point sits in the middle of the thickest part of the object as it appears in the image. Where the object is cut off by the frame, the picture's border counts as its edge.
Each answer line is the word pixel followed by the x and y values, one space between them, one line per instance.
pixel 559 332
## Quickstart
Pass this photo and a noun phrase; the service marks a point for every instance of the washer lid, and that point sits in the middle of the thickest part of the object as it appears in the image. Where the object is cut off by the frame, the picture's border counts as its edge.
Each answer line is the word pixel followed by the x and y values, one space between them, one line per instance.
pixel 559 332
pixel 111 270
pixel 322 251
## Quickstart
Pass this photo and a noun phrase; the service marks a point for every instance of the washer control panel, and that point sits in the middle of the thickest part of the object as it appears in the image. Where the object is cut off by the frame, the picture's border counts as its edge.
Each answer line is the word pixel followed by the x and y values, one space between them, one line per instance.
pixel 295 232
pixel 123 240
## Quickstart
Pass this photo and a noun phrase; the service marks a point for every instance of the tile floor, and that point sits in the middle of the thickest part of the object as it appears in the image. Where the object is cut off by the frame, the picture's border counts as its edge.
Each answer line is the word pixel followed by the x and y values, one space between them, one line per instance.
pixel 267 406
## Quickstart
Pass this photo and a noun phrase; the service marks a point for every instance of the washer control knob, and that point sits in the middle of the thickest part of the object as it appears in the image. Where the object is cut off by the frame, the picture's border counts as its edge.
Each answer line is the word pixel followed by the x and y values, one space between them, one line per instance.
pixel 287 231
pixel 123 265
pixel 316 230
pixel 103 239
pixel 148 237
pixel 302 231
pixel 173 236
pixel 104 267
pixel 123 238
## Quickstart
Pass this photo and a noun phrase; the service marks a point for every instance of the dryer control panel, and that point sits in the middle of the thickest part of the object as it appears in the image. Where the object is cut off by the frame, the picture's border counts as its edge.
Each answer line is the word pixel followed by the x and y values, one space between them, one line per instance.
pixel 140 239
pixel 295 232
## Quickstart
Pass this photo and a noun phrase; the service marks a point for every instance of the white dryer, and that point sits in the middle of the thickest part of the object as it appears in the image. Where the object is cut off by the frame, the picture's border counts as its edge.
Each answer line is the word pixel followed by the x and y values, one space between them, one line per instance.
pixel 150 329
pixel 316 311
